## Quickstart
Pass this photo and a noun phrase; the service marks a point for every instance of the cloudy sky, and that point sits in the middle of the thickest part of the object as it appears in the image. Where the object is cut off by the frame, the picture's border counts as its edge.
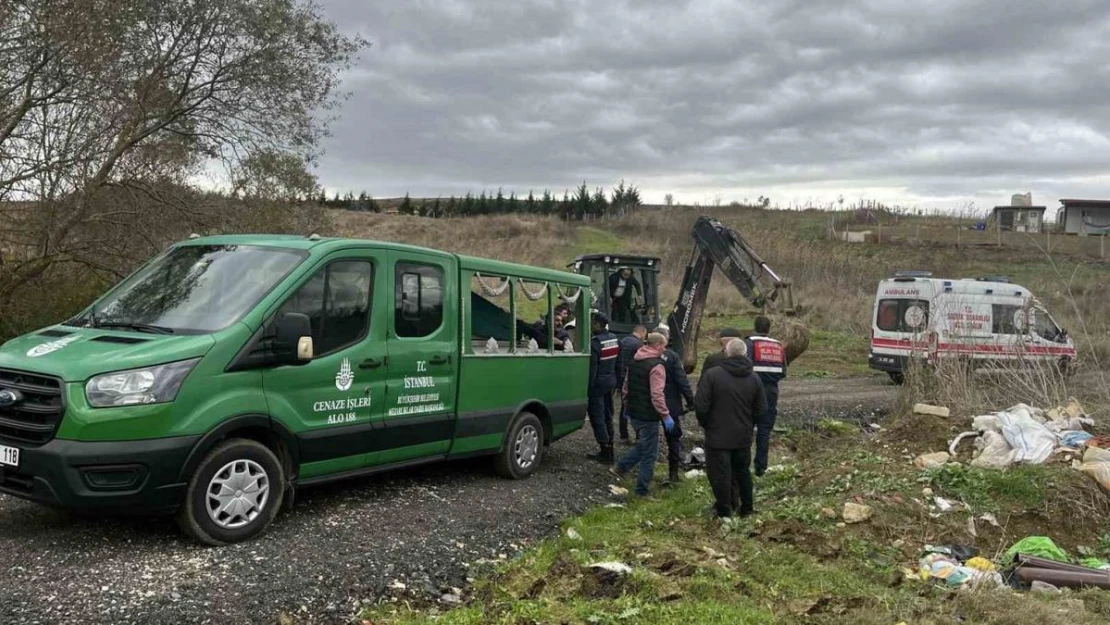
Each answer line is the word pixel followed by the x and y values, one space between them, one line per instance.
pixel 935 103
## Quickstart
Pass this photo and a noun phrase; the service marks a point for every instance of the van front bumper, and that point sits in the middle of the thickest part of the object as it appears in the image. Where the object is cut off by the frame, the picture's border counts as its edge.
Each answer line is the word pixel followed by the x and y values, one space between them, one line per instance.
pixel 120 476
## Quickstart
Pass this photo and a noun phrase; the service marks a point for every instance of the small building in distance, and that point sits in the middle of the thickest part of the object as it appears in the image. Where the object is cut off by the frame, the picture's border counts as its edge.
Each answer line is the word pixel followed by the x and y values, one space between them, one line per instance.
pixel 1085 217
pixel 1017 218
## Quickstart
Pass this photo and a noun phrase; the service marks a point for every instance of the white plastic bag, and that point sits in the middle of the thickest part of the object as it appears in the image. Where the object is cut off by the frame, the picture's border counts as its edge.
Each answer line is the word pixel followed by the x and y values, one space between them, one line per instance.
pixel 995 452
pixel 1096 463
pixel 1032 441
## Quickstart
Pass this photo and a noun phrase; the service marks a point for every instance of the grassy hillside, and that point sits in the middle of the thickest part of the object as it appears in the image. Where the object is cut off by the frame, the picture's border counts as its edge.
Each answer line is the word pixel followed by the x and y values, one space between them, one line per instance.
pixel 834 281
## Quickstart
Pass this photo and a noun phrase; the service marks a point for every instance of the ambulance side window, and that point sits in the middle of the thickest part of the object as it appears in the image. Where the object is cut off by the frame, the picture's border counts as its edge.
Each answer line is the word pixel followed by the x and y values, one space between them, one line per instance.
pixel 1003 319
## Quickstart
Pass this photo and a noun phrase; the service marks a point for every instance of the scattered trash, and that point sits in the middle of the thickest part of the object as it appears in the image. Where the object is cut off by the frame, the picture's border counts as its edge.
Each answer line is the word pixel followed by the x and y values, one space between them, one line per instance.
pixel 1023 433
pixel 573 534
pixel 931 461
pixel 1038 546
pixel 614 505
pixel 956 441
pixel 397 585
pixel 928 492
pixel 617 491
pixel 980 564
pixel 1095 563
pixel 856 513
pixel 1096 463
pixel 695 458
pixel 620 568
pixel 943 504
pixel 971 529
pixel 958 566
pixel 1073 410
pixel 1074 439
pixel 451 598
pixel 828 513
pixel 1102 441
pixel 692 473
pixel 1039 586
pixel 927 409
pixel 994 451
pixel 989 518
pixel 961 553
pixel 1033 441
pixel 875 426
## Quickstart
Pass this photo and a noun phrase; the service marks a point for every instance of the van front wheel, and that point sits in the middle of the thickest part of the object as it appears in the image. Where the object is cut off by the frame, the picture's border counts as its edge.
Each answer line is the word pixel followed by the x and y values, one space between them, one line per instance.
pixel 234 494
pixel 897 377
pixel 523 448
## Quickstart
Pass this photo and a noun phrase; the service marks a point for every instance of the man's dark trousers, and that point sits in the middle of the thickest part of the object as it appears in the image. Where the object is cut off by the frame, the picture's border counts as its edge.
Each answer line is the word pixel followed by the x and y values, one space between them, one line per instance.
pixel 730 477
pixel 764 426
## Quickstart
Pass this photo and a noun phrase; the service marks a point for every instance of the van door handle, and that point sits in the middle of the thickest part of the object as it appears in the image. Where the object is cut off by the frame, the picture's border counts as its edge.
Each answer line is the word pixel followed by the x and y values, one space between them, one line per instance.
pixel 369 363
pixel 440 360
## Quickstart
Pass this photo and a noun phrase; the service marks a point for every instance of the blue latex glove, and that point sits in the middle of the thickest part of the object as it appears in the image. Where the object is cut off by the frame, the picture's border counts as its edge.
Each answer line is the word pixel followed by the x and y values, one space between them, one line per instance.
pixel 668 424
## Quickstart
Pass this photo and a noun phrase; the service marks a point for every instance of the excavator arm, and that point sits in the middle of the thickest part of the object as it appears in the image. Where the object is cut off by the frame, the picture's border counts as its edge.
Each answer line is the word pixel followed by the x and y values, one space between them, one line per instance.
pixel 718 246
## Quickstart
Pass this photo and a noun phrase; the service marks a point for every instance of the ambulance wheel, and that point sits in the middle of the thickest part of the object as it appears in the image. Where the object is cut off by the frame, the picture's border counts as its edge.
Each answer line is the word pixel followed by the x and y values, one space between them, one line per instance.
pixel 897 377
pixel 234 494
pixel 1064 366
pixel 523 448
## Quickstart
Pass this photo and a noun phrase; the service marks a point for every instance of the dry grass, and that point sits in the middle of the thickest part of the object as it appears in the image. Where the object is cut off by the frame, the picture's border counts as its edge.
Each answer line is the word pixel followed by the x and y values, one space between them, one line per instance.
pixel 834 282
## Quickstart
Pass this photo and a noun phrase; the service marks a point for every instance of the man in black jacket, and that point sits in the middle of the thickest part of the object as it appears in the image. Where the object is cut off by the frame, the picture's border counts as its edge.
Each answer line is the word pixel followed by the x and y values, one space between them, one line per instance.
pixel 729 402
pixel 680 398
pixel 724 337
pixel 629 345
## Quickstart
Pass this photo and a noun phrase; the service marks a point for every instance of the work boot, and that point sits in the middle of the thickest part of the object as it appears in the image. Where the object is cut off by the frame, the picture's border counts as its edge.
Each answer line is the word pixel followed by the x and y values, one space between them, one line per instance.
pixel 604 454
pixel 673 478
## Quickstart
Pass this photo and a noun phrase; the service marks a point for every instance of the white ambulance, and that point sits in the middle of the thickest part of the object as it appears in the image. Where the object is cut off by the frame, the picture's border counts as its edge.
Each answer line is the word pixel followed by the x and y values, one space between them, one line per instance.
pixel 980 321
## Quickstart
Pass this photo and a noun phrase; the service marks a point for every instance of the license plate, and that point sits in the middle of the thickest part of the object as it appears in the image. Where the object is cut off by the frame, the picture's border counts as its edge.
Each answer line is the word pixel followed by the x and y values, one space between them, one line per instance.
pixel 9 456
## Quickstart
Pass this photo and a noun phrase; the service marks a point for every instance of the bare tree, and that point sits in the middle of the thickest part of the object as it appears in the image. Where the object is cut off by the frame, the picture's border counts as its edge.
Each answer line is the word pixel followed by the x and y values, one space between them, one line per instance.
pixel 141 97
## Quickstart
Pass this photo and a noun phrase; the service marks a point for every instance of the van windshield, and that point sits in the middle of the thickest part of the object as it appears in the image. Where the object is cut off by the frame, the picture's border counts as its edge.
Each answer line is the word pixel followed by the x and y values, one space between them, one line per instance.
pixel 192 289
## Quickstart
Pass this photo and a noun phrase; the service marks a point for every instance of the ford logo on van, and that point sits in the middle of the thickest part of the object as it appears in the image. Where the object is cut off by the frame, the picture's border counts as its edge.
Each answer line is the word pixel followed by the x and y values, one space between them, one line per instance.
pixel 9 398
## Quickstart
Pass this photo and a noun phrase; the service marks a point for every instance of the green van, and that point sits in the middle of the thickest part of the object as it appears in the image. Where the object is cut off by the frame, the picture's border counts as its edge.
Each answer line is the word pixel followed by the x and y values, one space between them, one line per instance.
pixel 230 370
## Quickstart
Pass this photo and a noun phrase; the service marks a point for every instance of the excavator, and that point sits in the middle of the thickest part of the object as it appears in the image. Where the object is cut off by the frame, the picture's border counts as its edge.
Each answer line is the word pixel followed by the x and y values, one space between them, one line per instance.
pixel 625 288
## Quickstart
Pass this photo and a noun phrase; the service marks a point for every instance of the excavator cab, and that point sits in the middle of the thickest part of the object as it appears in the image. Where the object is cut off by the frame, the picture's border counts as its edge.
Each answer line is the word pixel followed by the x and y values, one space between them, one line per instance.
pixel 624 287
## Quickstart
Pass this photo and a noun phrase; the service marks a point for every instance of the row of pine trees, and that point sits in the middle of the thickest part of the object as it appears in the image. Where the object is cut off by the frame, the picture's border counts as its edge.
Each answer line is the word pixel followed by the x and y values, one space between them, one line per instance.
pixel 582 204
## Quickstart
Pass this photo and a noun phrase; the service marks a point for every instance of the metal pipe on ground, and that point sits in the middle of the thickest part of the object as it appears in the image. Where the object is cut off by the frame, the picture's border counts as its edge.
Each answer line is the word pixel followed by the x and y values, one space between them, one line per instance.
pixel 1065 579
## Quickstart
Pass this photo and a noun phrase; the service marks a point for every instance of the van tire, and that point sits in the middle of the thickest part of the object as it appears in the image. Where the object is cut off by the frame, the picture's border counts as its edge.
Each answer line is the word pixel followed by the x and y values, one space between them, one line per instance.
pixel 523 449
pixel 897 377
pixel 232 463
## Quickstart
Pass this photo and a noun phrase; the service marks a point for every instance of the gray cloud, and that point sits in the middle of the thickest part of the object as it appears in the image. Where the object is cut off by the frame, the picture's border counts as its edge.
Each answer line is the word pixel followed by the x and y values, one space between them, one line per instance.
pixel 939 103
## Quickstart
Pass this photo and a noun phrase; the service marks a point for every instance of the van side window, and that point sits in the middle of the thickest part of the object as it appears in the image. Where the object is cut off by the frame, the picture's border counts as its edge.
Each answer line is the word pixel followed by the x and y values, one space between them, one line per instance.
pixel 337 302
pixel 418 301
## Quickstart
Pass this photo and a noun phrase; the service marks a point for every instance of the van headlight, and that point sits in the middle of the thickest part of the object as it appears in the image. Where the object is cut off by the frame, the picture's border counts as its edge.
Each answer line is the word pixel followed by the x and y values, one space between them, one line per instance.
pixel 149 385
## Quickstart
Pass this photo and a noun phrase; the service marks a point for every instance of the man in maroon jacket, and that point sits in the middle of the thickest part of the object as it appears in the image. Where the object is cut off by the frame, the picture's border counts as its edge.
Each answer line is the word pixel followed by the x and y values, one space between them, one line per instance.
pixel 644 384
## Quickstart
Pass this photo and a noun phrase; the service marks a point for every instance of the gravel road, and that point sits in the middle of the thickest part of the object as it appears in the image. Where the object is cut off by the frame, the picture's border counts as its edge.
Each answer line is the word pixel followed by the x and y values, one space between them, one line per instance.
pixel 342 544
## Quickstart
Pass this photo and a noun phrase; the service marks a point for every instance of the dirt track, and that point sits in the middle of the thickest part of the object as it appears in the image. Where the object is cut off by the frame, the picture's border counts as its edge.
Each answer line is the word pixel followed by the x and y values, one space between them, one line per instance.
pixel 341 545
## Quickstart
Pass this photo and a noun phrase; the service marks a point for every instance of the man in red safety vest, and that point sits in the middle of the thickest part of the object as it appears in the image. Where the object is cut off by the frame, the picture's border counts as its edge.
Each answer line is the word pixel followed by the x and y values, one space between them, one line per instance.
pixel 769 362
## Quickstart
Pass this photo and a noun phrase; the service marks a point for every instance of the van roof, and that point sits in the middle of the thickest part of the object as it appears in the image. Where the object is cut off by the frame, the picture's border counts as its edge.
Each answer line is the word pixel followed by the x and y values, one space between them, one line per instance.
pixel 325 245
pixel 965 286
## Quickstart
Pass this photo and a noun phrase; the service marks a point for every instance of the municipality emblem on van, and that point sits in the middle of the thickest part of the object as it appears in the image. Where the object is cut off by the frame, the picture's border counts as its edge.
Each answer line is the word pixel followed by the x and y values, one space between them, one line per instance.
pixel 345 378
pixel 51 346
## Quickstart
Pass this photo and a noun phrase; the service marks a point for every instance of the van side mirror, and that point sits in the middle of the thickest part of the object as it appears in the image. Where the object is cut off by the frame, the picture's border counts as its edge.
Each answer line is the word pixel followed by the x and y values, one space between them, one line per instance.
pixel 292 343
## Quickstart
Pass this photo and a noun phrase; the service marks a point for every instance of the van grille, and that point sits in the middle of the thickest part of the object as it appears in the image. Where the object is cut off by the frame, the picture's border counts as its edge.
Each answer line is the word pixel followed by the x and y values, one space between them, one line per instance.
pixel 35 418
